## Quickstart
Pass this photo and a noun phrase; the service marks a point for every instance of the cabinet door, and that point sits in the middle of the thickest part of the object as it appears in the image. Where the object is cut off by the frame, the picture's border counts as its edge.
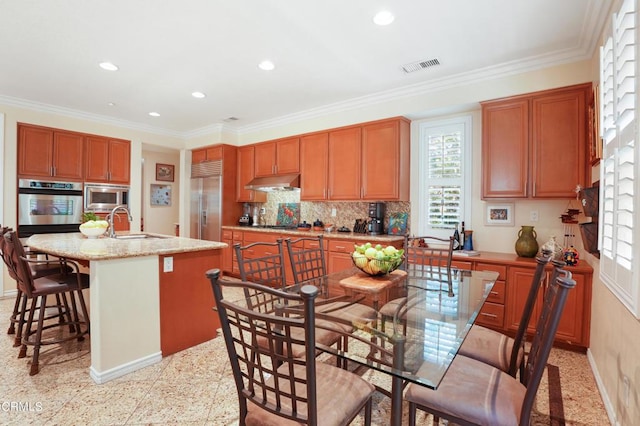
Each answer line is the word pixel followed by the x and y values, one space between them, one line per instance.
pixel 198 156
pixel 314 160
pixel 505 135
pixel 571 328
pixel 119 161
pixel 96 159
pixel 339 255
pixel 345 153
pixel 227 253
pixel 35 151
pixel 381 161
pixel 559 154
pixel 245 175
pixel 288 156
pixel 67 155
pixel 265 159
pixel 518 287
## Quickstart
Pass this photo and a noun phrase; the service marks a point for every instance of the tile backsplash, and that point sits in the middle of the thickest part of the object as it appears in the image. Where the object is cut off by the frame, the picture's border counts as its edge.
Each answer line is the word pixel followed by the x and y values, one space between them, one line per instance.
pixel 346 211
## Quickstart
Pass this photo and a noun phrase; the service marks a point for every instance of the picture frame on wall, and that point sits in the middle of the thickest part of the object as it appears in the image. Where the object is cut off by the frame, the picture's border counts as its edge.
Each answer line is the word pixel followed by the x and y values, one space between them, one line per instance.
pixel 160 195
pixel 499 214
pixel 165 172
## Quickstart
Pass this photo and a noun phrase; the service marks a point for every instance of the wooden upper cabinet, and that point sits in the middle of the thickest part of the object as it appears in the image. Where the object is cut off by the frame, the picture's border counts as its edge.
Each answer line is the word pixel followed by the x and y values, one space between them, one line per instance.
pixel 314 164
pixel 207 154
pixel 245 173
pixel 535 145
pixel 107 160
pixel 505 149
pixel 44 152
pixel 278 157
pixel 345 153
pixel 385 160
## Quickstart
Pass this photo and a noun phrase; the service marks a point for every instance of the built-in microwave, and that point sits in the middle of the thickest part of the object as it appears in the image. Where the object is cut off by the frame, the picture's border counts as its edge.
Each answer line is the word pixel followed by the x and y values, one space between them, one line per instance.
pixel 102 197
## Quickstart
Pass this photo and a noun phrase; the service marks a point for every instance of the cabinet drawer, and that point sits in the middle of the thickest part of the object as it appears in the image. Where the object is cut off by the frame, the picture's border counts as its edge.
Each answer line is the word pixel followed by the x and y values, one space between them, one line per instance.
pixel 227 235
pixel 237 236
pixel 501 269
pixel 314 245
pixel 491 315
pixel 341 246
pixel 461 265
pixel 497 294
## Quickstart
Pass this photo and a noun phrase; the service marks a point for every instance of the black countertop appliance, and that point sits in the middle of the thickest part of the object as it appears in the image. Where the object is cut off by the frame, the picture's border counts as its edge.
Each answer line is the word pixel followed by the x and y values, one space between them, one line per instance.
pixel 376 218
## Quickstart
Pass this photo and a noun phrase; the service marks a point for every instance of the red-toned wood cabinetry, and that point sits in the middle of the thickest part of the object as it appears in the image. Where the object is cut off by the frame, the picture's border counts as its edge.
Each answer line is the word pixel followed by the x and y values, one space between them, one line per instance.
pixel 535 145
pixel 345 164
pixel 314 164
pixel 107 160
pixel 44 152
pixel 246 172
pixel 278 157
pixel 207 154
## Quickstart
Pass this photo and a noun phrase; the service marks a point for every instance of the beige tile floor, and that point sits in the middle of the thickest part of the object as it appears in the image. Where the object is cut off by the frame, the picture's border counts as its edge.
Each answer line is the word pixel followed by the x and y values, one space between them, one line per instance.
pixel 195 387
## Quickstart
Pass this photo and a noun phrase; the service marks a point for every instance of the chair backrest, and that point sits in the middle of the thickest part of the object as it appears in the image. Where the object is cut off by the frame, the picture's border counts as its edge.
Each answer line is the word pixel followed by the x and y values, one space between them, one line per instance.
pixel 5 253
pixel 262 263
pixel 554 301
pixel 16 258
pixel 527 311
pixel 433 253
pixel 263 374
pixel 307 258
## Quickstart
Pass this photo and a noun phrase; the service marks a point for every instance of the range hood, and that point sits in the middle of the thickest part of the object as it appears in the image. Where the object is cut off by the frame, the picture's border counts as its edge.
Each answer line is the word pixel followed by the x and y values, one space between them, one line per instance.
pixel 275 183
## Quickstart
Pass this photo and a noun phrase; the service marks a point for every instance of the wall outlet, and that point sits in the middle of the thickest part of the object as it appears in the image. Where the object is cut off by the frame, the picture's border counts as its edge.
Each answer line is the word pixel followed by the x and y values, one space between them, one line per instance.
pixel 533 215
pixel 334 212
pixel 168 264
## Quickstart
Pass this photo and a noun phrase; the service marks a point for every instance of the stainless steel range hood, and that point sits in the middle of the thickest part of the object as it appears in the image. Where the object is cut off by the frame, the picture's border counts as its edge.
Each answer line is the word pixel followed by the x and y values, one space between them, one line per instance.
pixel 275 183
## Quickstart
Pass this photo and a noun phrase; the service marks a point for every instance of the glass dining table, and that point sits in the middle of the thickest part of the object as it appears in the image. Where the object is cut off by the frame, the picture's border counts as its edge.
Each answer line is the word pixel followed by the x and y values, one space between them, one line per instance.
pixel 418 342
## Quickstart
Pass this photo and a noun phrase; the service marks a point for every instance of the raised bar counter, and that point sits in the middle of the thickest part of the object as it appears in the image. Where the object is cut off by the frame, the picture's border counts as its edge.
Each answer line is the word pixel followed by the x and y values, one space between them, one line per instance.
pixel 148 295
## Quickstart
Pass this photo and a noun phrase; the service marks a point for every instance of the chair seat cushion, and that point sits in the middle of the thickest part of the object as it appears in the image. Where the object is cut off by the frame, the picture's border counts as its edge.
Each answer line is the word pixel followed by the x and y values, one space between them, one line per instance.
pixel 52 284
pixel 334 408
pixel 473 391
pixel 349 314
pixel 490 347
pixel 390 308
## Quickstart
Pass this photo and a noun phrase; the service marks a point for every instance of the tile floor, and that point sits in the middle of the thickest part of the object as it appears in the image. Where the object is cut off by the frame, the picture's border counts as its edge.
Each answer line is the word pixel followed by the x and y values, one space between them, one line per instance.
pixel 195 387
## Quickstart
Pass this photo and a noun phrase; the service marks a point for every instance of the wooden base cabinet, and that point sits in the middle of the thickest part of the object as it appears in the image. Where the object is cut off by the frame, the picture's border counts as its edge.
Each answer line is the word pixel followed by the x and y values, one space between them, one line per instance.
pixel 575 322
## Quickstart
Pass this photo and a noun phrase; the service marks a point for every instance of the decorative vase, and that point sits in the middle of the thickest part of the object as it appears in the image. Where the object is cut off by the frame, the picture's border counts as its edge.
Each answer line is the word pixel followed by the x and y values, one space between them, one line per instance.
pixel 468 240
pixel 552 246
pixel 526 245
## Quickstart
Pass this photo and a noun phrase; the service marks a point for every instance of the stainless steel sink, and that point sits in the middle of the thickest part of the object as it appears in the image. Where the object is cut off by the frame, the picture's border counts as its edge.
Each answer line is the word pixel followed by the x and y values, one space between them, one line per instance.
pixel 138 236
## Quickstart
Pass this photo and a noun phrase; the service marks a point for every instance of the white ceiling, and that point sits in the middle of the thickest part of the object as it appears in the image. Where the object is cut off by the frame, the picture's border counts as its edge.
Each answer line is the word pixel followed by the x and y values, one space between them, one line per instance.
pixel 326 53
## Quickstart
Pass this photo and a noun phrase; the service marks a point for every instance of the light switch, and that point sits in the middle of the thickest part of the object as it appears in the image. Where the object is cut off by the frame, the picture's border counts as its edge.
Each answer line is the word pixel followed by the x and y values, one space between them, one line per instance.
pixel 168 264
pixel 533 215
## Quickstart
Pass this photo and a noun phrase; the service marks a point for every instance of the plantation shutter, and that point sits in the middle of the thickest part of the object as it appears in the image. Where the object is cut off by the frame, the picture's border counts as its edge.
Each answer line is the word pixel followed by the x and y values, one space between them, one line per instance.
pixel 619 164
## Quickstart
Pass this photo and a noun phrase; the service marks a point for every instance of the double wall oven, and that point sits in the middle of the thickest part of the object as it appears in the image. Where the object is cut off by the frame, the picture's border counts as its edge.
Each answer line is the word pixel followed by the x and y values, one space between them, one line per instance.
pixel 48 207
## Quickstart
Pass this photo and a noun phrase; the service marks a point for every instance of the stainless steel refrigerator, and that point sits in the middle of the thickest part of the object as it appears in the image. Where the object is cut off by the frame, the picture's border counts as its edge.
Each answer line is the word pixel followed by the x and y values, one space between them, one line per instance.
pixel 206 204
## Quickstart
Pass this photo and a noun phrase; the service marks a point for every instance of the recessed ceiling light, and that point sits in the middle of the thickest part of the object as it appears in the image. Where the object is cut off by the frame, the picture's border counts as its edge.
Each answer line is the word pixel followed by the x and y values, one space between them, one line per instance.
pixel 266 65
pixel 198 95
pixel 154 114
pixel 111 104
pixel 384 17
pixel 108 66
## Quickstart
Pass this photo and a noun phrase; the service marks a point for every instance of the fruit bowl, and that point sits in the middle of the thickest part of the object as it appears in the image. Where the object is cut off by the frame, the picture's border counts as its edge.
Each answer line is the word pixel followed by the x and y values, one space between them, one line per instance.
pixel 377 261
pixel 92 232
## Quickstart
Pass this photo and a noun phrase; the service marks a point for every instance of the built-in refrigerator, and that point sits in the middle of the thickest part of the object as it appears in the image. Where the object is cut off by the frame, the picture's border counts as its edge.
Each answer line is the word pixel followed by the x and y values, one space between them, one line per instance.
pixel 206 201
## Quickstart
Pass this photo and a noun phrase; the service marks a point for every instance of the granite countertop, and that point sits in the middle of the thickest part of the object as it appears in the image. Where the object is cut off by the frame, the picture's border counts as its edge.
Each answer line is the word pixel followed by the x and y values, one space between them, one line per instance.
pixel 77 246
pixel 327 235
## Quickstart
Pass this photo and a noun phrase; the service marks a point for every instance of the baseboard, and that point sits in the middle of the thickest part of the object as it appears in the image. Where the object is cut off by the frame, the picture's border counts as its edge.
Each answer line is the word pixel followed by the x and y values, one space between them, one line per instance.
pixel 10 294
pixel 124 369
pixel 603 391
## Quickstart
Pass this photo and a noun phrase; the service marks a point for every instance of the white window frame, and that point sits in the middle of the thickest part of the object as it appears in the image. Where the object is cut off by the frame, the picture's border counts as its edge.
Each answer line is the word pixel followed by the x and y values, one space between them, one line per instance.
pixel 426 128
pixel 618 260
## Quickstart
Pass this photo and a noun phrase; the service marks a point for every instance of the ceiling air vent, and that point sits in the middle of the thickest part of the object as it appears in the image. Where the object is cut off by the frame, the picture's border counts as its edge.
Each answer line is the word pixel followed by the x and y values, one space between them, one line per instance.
pixel 420 65
pixel 230 119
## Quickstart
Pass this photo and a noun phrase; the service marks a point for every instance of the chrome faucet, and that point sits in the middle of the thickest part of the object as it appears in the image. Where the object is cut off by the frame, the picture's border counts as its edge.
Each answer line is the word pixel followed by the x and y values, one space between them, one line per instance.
pixel 112 230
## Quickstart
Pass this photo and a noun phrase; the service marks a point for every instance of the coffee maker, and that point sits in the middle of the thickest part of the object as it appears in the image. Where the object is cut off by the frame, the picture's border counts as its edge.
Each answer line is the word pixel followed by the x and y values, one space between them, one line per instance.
pixel 376 218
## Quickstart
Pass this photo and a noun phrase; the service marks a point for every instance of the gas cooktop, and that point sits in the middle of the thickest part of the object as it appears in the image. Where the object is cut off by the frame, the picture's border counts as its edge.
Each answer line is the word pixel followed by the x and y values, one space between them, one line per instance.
pixel 276 226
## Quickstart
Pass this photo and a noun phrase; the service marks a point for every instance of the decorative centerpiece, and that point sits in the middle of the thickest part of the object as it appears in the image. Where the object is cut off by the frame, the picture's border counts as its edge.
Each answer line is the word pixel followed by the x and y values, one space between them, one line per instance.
pixel 377 260
pixel 527 245
pixel 93 226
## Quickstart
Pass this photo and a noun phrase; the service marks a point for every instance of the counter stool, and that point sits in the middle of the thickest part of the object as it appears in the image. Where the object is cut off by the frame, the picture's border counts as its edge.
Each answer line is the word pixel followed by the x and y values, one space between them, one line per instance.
pixel 37 290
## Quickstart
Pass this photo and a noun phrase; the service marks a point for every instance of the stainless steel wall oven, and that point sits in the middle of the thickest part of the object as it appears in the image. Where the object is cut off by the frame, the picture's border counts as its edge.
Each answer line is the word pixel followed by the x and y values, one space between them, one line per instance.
pixel 48 207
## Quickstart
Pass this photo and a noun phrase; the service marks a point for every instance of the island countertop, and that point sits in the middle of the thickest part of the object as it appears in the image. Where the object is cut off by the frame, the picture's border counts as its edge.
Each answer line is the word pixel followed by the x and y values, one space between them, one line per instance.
pixel 77 246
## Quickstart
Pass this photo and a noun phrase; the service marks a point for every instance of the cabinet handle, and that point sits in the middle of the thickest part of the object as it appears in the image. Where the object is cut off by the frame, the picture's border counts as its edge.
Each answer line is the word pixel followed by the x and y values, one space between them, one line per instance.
pixel 268 253
pixel 340 247
pixel 493 292
pixel 489 315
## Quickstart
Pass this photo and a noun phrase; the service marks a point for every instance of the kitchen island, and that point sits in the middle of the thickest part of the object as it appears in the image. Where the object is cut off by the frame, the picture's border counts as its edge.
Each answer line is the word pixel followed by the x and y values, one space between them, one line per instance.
pixel 148 295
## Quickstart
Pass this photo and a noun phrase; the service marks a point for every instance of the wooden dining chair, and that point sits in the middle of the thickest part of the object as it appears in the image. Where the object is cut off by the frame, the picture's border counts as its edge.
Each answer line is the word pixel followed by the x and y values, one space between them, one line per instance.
pixel 497 349
pixel 274 388
pixel 475 393
pixel 37 290
pixel 39 270
pixel 434 255
pixel 263 263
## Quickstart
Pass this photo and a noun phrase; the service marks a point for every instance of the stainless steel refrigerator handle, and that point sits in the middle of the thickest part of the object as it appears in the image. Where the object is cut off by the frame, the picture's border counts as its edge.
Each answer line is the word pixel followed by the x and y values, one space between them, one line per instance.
pixel 204 218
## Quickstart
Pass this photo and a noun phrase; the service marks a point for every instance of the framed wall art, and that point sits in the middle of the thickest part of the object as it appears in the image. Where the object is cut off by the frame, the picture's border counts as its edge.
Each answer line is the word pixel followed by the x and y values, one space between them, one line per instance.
pixel 165 172
pixel 160 195
pixel 499 214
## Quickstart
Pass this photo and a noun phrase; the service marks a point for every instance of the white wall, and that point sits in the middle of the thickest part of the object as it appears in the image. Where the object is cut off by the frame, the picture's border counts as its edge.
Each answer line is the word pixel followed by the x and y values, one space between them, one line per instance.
pixel 160 219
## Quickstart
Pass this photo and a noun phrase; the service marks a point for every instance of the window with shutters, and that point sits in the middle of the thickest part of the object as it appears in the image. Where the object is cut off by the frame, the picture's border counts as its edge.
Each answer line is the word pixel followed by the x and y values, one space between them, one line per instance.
pixel 619 167
pixel 445 148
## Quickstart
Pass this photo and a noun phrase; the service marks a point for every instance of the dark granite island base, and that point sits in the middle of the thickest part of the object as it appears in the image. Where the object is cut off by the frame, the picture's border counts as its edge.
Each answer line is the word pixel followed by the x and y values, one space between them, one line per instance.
pixel 138 301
